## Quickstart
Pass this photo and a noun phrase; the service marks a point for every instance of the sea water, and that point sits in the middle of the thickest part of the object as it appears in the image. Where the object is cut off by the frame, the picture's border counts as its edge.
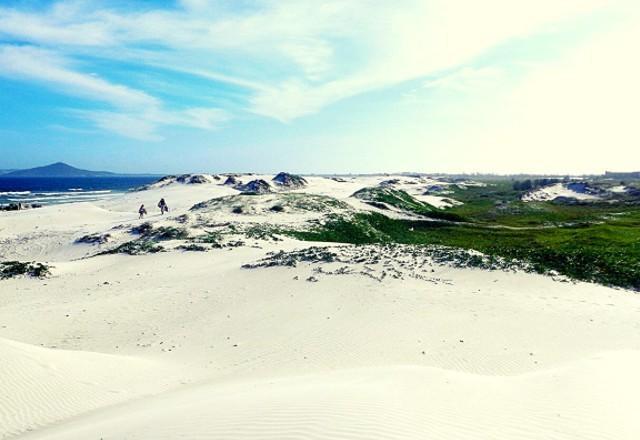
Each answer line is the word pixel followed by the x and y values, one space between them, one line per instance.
pixel 46 191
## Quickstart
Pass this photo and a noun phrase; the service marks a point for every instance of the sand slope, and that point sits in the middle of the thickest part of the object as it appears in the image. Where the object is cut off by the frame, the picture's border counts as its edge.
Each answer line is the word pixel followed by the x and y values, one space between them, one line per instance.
pixel 387 403
pixel 41 385
pixel 190 345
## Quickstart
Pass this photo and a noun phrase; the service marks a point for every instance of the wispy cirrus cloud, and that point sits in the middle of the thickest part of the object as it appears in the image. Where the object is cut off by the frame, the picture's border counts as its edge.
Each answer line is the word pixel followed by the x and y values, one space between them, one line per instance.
pixel 58 25
pixel 143 125
pixel 137 114
pixel 131 125
pixel 46 66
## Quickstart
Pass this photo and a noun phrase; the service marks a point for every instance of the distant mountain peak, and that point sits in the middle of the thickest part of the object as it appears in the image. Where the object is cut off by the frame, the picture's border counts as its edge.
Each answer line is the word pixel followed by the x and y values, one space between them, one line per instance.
pixel 59 165
pixel 57 169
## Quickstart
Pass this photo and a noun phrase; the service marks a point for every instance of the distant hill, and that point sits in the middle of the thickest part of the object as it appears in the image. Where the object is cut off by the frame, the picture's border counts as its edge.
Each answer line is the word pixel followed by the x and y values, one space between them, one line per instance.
pixel 5 171
pixel 58 169
pixel 622 175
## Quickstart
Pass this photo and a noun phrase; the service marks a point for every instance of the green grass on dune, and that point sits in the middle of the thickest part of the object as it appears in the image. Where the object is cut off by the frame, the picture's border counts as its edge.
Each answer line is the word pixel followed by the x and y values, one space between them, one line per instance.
pixel 498 203
pixel 607 253
pixel 596 242
pixel 278 202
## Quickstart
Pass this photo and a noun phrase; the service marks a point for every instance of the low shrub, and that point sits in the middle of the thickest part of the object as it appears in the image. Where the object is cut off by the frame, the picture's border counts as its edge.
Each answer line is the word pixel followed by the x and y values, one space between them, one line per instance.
pixel 10 269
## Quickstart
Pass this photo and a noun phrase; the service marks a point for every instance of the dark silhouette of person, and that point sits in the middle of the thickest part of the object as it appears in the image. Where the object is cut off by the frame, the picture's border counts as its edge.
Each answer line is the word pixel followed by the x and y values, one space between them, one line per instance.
pixel 142 211
pixel 163 206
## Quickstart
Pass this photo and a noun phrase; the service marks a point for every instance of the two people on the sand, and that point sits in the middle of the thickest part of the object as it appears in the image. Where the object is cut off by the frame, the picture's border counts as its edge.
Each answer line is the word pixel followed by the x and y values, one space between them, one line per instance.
pixel 163 206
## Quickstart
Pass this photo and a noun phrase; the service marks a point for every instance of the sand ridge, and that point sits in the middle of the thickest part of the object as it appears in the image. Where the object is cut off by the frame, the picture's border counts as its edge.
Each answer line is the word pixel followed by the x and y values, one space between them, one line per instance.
pixel 192 345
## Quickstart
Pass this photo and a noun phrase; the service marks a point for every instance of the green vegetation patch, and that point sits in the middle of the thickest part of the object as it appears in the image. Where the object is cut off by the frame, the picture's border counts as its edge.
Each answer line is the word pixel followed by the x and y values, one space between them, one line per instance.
pixel 263 232
pixel 10 269
pixel 381 196
pixel 500 204
pixel 291 259
pixel 192 247
pixel 607 253
pixel 369 255
pixel 208 237
pixel 282 202
pixel 393 197
pixel 162 233
pixel 137 247
pixel 142 229
pixel 312 203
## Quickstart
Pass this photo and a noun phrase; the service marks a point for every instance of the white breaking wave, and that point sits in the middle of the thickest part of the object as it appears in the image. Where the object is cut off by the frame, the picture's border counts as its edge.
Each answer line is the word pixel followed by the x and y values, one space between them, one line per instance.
pixel 15 193
pixel 74 194
pixel 67 197
pixel 48 198
pixel 80 190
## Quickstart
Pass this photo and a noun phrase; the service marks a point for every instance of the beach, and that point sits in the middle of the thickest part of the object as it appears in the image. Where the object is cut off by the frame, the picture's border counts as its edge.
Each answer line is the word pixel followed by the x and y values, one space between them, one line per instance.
pixel 352 342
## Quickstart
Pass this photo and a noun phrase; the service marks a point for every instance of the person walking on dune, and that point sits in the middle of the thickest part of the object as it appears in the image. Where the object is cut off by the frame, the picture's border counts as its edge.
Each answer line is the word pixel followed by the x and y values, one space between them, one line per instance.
pixel 142 211
pixel 163 206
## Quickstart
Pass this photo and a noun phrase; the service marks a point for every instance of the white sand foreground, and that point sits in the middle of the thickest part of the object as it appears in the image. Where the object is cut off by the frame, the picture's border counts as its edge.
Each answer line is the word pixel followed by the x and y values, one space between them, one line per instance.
pixel 190 345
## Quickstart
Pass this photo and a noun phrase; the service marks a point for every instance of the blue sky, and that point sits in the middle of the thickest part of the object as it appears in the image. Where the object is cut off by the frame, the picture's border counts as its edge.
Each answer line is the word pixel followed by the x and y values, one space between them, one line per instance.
pixel 321 86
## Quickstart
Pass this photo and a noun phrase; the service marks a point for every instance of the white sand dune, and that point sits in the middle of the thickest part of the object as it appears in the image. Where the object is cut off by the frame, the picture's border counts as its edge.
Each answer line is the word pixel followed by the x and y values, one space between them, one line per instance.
pixel 556 190
pixel 41 385
pixel 405 402
pixel 190 345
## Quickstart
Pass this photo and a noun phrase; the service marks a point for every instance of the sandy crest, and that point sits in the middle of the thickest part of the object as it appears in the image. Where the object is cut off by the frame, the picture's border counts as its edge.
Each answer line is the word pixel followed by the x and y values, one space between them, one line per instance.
pixel 190 345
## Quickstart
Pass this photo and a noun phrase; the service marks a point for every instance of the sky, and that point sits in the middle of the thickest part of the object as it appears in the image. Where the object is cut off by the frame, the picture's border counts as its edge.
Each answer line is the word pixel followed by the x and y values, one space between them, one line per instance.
pixel 313 86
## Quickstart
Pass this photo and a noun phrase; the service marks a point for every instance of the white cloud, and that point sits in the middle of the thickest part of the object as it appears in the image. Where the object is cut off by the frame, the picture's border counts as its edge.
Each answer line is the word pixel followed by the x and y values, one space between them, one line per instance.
pixel 208 74
pixel 197 117
pixel 138 114
pixel 421 38
pixel 339 48
pixel 127 125
pixel 143 125
pixel 45 66
pixel 296 57
pixel 60 26
pixel 313 56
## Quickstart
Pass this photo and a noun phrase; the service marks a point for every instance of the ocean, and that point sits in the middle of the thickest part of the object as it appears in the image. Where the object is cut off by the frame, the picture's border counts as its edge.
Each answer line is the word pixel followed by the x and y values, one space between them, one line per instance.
pixel 47 191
